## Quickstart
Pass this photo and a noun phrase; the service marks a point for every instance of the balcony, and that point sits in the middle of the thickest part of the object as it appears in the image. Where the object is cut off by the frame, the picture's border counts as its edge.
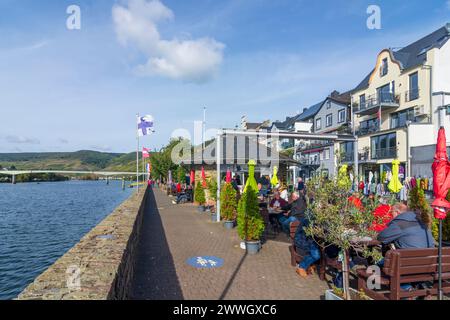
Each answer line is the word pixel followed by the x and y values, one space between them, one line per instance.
pixel 412 95
pixel 383 100
pixel 363 156
pixel 384 153
pixel 309 161
pixel 361 131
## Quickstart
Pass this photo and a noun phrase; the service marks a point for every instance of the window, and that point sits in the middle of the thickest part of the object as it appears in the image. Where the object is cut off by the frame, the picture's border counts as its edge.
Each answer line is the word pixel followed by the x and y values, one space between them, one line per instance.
pixel 321 156
pixel 327 154
pixel 413 93
pixel 362 101
pixel 347 151
pixel 329 120
pixel 341 116
pixel 384 146
pixel 318 124
pixel 384 67
pixel 384 93
pixel 399 119
pixel 328 104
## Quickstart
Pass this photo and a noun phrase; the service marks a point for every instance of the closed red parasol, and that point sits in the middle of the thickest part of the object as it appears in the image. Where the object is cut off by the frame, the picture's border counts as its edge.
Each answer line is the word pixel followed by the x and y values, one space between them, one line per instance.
pixel 228 177
pixel 203 178
pixel 441 184
pixel 441 177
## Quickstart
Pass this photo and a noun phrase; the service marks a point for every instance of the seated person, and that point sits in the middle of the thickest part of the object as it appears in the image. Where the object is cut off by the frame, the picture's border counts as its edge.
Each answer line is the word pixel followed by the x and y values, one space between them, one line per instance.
pixel 408 229
pixel 277 202
pixel 295 210
pixel 309 247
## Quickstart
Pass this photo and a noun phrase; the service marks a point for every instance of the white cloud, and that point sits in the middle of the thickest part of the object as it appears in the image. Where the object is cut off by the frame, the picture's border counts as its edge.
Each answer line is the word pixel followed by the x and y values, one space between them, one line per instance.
pixel 189 60
pixel 21 140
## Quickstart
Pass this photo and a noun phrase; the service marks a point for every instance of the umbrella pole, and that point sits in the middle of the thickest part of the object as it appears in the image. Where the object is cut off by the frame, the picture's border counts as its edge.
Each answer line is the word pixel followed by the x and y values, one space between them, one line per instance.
pixel 440 261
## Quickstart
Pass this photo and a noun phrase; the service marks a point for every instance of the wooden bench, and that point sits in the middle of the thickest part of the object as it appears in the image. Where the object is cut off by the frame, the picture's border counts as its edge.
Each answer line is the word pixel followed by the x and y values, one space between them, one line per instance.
pixel 408 266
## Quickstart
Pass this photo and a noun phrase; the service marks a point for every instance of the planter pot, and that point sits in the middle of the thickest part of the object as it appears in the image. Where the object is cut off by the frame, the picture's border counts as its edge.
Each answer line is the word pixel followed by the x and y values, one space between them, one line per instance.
pixel 201 209
pixel 330 295
pixel 228 224
pixel 214 217
pixel 253 247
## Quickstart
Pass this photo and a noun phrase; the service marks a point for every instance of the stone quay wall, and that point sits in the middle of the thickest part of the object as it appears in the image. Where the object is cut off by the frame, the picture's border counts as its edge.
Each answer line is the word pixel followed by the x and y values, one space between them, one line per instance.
pixel 100 266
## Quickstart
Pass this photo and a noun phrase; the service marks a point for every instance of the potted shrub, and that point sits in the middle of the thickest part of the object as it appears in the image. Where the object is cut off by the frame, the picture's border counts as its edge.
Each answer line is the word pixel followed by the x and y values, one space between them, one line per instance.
pixel 250 224
pixel 228 205
pixel 199 197
pixel 334 220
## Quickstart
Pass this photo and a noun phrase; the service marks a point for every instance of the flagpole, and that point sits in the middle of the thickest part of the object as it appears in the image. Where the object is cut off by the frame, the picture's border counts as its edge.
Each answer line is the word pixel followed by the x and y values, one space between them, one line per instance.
pixel 137 152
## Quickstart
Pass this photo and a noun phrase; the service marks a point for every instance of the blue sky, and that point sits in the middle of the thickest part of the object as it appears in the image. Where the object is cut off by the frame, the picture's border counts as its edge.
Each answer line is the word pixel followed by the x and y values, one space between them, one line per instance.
pixel 66 90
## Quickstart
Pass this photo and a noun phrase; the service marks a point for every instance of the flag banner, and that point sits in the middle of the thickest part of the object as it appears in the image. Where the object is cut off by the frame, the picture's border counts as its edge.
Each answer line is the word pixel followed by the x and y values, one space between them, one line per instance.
pixel 145 153
pixel 145 125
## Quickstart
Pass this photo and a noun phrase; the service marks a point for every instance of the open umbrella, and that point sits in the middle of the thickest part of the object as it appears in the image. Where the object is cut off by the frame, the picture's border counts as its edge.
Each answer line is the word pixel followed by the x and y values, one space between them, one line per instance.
pixel 441 184
pixel 203 178
pixel 192 177
pixel 274 180
pixel 395 185
pixel 228 177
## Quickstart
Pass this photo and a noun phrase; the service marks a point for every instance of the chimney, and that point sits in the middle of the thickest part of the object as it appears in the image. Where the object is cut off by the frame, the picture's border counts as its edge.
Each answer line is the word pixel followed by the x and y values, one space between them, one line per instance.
pixel 304 110
pixel 334 93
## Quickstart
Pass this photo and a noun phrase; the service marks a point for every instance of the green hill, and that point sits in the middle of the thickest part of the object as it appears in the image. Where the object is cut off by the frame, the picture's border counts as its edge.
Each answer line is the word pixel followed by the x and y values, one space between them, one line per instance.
pixel 84 160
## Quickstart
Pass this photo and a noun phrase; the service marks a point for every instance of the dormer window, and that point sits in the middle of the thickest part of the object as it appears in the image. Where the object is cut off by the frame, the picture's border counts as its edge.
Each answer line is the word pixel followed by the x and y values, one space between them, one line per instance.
pixel 384 67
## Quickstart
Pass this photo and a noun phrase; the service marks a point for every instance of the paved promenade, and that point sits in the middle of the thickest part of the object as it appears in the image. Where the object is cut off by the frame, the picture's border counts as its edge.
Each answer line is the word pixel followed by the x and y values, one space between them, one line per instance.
pixel 174 233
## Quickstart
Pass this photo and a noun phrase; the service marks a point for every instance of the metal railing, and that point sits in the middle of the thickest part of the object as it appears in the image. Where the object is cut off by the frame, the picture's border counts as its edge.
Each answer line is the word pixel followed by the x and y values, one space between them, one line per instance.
pixel 350 156
pixel 384 153
pixel 377 99
pixel 360 131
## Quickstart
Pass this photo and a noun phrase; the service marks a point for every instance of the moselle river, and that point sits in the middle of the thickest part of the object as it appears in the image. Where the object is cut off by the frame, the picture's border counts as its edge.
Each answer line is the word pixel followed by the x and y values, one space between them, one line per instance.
pixel 40 222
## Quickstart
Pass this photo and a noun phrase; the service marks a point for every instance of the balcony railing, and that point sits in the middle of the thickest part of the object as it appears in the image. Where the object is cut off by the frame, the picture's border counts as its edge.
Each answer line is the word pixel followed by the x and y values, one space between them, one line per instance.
pixel 360 131
pixel 381 99
pixel 349 157
pixel 411 95
pixel 309 161
pixel 384 153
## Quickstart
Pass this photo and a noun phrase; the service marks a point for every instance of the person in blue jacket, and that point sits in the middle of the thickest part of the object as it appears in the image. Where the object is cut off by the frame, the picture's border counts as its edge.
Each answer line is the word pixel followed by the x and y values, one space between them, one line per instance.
pixel 408 229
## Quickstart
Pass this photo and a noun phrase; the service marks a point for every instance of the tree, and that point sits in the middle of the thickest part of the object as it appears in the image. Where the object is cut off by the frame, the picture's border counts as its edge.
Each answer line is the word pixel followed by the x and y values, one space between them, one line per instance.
pixel 162 161
pixel 199 194
pixel 228 203
pixel 334 220
pixel 212 188
pixel 250 223
pixel 181 174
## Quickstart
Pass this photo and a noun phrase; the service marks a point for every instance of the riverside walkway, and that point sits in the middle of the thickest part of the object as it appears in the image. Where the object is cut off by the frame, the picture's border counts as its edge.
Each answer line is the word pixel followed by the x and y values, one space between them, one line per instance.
pixel 171 234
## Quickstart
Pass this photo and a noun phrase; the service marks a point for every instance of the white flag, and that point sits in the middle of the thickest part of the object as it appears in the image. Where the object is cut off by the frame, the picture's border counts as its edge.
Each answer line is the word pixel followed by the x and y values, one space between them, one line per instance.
pixel 145 125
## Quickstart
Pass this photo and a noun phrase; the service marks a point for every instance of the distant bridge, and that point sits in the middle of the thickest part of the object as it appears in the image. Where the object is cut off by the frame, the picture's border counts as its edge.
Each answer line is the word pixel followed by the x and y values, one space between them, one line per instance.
pixel 14 173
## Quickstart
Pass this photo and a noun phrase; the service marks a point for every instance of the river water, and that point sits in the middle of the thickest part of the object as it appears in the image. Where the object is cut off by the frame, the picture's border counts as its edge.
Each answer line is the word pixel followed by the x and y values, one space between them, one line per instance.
pixel 40 222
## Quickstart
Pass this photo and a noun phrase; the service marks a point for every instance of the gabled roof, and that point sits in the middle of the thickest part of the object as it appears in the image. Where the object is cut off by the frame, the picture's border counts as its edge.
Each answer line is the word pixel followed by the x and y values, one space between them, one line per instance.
pixel 414 54
pixel 310 112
